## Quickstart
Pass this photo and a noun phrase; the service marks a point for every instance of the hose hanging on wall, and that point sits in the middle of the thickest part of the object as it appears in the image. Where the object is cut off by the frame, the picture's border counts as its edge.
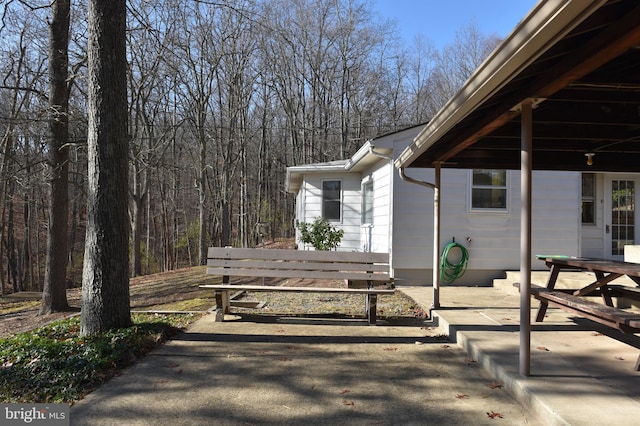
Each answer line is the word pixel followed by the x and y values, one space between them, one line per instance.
pixel 449 272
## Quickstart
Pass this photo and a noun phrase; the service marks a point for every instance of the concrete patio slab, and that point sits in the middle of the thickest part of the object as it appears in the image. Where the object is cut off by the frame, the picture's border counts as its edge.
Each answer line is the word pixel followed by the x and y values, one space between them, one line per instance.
pixel 582 373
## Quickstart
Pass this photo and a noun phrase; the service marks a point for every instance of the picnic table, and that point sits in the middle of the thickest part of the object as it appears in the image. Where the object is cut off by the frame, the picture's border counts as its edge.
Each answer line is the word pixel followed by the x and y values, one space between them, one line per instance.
pixel 573 300
pixel 605 271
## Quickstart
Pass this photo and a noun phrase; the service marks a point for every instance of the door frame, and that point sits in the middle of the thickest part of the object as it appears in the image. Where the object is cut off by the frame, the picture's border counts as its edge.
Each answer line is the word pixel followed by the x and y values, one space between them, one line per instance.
pixel 608 202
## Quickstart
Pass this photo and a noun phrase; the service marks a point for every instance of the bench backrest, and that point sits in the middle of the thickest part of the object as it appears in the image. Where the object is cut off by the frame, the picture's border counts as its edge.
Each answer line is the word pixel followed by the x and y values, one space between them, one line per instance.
pixel 284 263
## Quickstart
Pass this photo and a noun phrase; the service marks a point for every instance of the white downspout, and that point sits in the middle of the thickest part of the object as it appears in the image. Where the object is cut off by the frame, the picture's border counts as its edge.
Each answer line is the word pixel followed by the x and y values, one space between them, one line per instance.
pixel 436 228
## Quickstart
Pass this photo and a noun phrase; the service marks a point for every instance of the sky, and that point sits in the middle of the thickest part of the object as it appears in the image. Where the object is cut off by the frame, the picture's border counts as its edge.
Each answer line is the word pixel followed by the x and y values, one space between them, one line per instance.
pixel 438 20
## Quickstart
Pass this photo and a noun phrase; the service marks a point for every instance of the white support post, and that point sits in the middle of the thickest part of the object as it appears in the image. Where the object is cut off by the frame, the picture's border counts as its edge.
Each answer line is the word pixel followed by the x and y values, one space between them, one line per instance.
pixel 526 164
pixel 436 239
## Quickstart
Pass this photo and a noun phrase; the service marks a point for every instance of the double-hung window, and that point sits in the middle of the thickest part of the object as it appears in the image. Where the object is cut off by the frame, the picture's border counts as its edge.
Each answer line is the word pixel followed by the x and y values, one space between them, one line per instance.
pixel 332 200
pixel 588 199
pixel 367 203
pixel 489 189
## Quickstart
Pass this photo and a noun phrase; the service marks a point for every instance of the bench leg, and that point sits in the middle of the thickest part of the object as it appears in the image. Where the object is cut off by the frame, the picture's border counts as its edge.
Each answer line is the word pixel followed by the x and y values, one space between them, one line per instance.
pixel 606 295
pixel 638 364
pixel 222 304
pixel 371 304
pixel 551 283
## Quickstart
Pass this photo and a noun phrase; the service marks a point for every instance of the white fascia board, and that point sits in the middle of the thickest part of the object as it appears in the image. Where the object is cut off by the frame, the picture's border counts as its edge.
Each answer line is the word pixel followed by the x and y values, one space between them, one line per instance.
pixel 295 173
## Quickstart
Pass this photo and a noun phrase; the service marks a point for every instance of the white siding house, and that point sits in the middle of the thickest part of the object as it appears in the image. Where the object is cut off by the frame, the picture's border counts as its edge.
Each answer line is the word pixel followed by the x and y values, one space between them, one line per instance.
pixel 380 212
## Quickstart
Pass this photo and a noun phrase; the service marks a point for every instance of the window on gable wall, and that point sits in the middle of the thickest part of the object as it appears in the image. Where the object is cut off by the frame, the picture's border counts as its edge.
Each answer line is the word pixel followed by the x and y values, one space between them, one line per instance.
pixel 588 199
pixel 488 189
pixel 367 203
pixel 332 200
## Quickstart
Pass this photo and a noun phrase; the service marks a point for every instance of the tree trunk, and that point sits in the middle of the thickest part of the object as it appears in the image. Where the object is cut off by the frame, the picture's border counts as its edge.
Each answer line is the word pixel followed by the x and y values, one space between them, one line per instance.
pixel 26 245
pixel 139 197
pixel 137 212
pixel 54 295
pixel 202 224
pixel 105 277
pixel 202 200
pixel 12 263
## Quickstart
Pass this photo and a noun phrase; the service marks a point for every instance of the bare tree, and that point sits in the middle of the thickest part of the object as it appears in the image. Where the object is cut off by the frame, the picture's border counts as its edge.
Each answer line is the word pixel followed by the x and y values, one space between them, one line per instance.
pixel 105 284
pixel 457 61
pixel 22 98
pixel 54 295
pixel 196 61
pixel 149 106
pixel 422 56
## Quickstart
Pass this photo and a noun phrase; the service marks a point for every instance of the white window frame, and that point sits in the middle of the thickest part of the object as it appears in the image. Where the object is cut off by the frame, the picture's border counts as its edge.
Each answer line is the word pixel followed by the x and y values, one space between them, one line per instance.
pixel 504 187
pixel 340 200
pixel 363 209
pixel 588 198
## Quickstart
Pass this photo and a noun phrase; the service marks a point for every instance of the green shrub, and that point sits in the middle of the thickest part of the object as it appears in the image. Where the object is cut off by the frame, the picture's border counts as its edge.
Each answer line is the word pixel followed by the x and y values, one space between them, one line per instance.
pixel 320 234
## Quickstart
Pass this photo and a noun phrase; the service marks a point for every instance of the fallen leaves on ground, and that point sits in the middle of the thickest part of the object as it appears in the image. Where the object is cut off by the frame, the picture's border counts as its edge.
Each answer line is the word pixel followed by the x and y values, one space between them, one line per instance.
pixel 495 385
pixel 494 415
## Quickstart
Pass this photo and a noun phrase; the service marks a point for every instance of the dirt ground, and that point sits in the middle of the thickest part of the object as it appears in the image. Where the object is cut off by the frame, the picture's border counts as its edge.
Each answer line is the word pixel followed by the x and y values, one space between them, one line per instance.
pixel 178 291
pixel 164 291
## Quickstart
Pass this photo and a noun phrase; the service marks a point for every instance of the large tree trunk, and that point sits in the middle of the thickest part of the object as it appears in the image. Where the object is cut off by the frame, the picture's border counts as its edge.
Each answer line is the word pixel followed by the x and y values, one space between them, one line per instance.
pixel 105 277
pixel 54 295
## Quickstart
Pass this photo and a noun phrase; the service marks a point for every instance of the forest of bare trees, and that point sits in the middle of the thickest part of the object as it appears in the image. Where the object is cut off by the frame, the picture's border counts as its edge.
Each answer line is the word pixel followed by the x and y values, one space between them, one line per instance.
pixel 222 96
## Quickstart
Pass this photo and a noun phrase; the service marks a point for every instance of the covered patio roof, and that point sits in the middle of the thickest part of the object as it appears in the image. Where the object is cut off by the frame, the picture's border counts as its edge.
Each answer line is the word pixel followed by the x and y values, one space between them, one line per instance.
pixel 565 83
pixel 578 62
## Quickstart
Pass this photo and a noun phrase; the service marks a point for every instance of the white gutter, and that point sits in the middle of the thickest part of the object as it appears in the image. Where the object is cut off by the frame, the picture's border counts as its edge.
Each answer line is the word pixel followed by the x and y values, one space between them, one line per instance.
pixel 359 155
pixel 547 22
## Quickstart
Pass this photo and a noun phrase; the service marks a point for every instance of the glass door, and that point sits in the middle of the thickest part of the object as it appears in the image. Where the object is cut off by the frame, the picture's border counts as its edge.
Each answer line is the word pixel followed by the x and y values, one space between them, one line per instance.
pixel 620 229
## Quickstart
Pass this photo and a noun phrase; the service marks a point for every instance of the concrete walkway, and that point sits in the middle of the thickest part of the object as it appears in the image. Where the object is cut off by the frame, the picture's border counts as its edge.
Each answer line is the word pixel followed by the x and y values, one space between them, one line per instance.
pixel 297 372
pixel 581 373
pixel 310 373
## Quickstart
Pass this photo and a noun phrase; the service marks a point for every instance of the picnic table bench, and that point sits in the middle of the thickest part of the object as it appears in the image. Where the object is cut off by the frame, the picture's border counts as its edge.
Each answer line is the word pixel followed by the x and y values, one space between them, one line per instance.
pixel 572 300
pixel 280 263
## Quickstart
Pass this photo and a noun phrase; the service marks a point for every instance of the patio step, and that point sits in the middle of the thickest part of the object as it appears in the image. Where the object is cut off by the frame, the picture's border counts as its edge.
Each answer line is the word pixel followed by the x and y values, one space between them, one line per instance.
pixel 566 279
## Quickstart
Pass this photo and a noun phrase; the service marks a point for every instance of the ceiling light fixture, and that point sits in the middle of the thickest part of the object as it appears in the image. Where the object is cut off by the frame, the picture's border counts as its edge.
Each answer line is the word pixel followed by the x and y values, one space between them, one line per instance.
pixel 589 156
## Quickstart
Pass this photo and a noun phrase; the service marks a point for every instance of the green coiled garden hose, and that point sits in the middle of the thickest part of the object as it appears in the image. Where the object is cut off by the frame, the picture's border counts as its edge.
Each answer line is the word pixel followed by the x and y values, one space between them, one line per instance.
pixel 449 272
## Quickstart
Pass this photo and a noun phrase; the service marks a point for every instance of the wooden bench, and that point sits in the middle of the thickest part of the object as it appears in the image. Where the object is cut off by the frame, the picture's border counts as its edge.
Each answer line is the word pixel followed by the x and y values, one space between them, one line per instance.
pixel 627 322
pixel 275 263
